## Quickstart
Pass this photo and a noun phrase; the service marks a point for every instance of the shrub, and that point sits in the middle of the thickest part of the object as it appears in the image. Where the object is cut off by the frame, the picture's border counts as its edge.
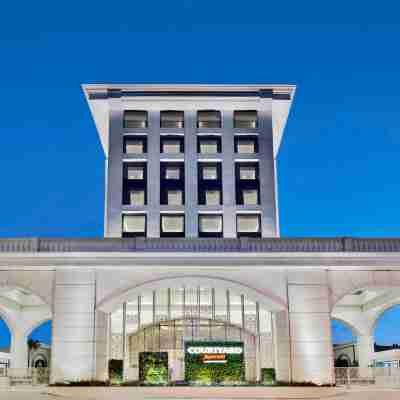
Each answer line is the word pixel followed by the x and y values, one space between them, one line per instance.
pixel 268 376
pixel 115 370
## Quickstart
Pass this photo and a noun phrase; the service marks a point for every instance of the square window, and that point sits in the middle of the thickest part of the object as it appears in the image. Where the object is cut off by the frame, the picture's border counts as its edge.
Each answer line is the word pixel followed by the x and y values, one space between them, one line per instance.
pixel 210 223
pixel 246 146
pixel 213 197
pixel 172 223
pixel 248 223
pixel 135 119
pixel 208 146
pixel 172 119
pixel 172 173
pixel 135 172
pixel 245 119
pixel 174 197
pixel 209 173
pixel 247 172
pixel 209 119
pixel 134 146
pixel 250 197
pixel 134 223
pixel 171 146
pixel 136 197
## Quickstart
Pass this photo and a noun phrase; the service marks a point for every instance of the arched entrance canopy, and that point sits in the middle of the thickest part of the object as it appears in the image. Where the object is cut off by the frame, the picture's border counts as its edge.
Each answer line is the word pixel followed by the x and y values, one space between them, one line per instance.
pixel 265 299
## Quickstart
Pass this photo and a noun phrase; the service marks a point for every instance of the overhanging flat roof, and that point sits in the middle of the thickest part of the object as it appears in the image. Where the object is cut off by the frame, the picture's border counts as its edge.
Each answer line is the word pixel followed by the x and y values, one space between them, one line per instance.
pixel 97 96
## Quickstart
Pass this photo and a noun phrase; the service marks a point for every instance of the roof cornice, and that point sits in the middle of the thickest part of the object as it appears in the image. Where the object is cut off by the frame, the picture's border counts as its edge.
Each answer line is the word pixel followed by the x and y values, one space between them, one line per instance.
pixel 192 245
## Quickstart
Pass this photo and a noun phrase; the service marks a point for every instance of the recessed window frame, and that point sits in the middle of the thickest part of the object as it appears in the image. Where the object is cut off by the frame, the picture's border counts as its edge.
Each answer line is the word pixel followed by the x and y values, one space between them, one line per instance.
pixel 128 234
pixel 127 138
pixel 171 184
pixel 242 138
pixel 204 185
pixel 239 119
pixel 129 123
pixel 209 234
pixel 203 138
pixel 172 234
pixel 169 193
pixel 167 118
pixel 250 168
pixel 137 191
pixel 139 168
pixel 219 197
pixel 244 195
pixel 251 234
pixel 209 173
pixel 129 185
pixel 246 184
pixel 214 122
pixel 169 175
pixel 165 139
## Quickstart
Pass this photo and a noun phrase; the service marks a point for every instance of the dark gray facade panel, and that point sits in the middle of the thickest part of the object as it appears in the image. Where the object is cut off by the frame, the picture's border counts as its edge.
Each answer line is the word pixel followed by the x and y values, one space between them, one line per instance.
pixel 114 171
pixel 267 170
pixel 153 175
pixel 191 202
pixel 227 158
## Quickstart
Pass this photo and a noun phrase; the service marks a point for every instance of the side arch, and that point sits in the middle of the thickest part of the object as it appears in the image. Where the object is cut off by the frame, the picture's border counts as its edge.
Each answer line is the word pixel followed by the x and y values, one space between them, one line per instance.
pixel 376 317
pixel 11 325
pixel 347 324
pixel 343 283
pixel 268 300
pixel 36 325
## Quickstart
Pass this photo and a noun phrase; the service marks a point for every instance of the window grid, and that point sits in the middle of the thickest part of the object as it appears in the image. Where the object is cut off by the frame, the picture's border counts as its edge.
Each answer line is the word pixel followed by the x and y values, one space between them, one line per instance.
pixel 206 144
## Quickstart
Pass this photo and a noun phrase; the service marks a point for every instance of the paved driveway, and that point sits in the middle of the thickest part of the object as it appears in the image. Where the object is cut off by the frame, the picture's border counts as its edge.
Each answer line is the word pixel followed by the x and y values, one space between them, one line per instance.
pixel 127 393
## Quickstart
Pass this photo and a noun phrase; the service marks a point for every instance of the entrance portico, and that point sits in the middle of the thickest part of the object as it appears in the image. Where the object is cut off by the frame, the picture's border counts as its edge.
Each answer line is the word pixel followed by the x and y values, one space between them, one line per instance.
pixel 300 283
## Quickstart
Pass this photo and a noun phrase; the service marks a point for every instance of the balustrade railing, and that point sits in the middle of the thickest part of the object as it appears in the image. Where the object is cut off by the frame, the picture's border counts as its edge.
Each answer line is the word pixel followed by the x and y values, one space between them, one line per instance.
pixel 380 376
pixel 29 376
pixel 243 245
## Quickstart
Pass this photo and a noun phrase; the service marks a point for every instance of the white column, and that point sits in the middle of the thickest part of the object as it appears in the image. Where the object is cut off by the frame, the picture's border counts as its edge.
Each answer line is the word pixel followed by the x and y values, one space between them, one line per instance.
pixel 282 346
pixel 102 334
pixel 267 350
pixel 365 346
pixel 258 359
pixel 73 343
pixel 310 333
pixel 19 350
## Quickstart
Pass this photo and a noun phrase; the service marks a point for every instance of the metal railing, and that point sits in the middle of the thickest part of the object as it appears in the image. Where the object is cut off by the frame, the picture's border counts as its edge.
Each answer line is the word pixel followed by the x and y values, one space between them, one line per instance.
pixel 380 376
pixel 28 376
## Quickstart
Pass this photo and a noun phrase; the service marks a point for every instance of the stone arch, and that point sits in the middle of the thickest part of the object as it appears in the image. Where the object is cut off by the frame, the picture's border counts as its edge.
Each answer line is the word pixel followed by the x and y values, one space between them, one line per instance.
pixel 268 300
pixel 37 324
pixel 20 318
pixel 380 313
pixel 347 324
pixel 343 283
pixel 11 325
pixel 27 285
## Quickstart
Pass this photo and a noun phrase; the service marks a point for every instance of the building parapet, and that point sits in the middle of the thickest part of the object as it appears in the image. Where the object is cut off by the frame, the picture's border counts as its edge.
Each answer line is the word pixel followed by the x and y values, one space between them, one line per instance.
pixel 245 245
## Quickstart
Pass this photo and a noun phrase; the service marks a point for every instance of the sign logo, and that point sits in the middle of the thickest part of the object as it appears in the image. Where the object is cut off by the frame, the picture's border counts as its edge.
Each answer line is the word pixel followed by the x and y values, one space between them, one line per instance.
pixel 214 350
pixel 214 358
pixel 214 354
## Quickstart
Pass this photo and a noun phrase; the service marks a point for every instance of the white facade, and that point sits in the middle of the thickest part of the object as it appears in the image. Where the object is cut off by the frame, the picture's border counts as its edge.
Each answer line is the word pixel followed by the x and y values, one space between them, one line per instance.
pixel 299 281
pixel 301 284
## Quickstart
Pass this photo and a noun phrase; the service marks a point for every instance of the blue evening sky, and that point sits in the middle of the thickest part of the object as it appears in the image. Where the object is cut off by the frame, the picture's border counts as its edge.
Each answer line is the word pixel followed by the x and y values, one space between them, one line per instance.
pixel 338 165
